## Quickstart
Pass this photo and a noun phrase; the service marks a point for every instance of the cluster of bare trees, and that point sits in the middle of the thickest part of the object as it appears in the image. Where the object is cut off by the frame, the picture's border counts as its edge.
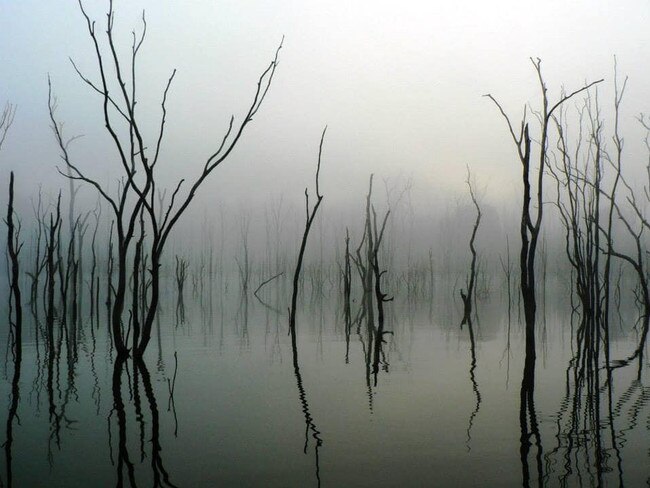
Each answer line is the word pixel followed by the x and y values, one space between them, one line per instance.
pixel 605 222
pixel 370 266
pixel 141 218
pixel 603 213
pixel 530 228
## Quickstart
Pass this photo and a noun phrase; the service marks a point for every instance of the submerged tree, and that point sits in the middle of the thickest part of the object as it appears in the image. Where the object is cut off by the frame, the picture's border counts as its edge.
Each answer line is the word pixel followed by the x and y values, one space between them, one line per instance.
pixel 471 279
pixel 633 215
pixel 530 226
pixel 138 160
pixel 15 311
pixel 310 215
pixel 13 241
pixel 14 247
pixel 531 220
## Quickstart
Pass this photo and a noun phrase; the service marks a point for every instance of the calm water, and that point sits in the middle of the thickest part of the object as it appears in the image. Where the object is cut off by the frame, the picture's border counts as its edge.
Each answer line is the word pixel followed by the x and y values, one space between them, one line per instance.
pixel 242 414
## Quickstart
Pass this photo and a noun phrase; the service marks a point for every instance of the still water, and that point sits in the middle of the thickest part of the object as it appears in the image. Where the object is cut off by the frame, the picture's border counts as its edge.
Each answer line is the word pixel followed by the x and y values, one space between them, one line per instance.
pixel 224 400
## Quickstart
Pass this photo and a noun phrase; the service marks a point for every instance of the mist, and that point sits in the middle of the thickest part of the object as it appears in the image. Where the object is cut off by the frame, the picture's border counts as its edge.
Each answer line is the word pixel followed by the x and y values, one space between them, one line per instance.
pixel 324 243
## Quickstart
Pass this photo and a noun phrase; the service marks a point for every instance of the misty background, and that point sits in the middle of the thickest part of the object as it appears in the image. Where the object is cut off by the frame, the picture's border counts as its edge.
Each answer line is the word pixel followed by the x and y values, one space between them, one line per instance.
pixel 400 88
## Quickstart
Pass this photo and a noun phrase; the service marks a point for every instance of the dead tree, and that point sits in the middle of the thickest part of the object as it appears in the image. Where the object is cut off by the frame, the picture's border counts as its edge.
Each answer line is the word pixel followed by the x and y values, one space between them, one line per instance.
pixel 13 239
pixel 471 279
pixel 370 248
pixel 530 227
pixel 380 296
pixel 181 275
pixel 13 250
pixel 244 266
pixel 310 215
pixel 14 247
pixel 347 291
pixel 636 223
pixel 607 230
pixel 531 221
pixel 39 263
pixel 138 161
pixel 363 261
pixel 51 245
pixel 94 275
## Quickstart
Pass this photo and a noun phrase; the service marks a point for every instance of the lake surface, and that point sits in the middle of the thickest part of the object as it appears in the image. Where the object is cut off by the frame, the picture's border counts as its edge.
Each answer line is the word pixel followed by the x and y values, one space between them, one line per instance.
pixel 249 410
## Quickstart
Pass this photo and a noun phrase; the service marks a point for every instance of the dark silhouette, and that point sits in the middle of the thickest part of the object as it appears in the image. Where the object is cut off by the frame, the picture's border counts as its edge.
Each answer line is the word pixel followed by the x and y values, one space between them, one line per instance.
pixel 124 463
pixel 310 216
pixel 14 247
pixel 530 229
pixel 181 276
pixel 310 425
pixel 138 161
pixel 470 296
pixel 530 226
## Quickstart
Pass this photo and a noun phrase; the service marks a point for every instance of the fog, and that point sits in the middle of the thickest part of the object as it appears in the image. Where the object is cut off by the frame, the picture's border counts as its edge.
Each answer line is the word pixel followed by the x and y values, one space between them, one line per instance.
pixel 400 89
pixel 377 244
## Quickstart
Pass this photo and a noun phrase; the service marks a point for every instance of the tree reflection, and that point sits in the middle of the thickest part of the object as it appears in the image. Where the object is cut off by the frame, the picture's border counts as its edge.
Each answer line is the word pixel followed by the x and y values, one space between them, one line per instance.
pixel 125 467
pixel 310 426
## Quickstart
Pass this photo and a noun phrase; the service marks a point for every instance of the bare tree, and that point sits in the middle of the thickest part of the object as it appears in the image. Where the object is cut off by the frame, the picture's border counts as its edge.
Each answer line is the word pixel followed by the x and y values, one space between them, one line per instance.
pixel 138 161
pixel 471 279
pixel 14 247
pixel 531 221
pixel 632 214
pixel 310 215
pixel 530 226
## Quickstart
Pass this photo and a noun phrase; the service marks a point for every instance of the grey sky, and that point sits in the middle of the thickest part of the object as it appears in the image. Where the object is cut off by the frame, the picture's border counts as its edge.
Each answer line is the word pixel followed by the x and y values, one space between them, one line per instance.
pixel 399 84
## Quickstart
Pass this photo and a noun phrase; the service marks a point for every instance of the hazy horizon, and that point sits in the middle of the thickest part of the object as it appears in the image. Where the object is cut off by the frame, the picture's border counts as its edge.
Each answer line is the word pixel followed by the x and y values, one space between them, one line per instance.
pixel 400 90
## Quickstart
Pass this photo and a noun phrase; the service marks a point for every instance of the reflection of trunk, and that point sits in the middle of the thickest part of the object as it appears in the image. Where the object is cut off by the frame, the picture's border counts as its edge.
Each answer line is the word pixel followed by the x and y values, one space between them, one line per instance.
pixel 472 377
pixel 140 371
pixel 309 421
pixel 13 411
pixel 161 477
pixel 118 406
pixel 52 361
pixel 528 425
pixel 529 229
pixel 310 215
pixel 586 414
